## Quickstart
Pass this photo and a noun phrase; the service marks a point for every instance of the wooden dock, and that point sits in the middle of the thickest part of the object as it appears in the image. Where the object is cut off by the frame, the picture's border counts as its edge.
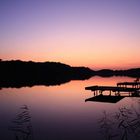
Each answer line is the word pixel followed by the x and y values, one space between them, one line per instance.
pixel 129 84
pixel 123 89
pixel 117 89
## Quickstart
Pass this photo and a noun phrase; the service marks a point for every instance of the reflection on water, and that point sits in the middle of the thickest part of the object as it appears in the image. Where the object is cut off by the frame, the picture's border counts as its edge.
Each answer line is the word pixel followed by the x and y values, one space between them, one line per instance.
pixel 21 126
pixel 124 124
pixel 60 112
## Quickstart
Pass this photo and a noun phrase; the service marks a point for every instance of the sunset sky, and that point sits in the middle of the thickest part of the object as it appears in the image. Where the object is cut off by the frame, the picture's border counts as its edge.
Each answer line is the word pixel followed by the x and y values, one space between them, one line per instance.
pixel 93 33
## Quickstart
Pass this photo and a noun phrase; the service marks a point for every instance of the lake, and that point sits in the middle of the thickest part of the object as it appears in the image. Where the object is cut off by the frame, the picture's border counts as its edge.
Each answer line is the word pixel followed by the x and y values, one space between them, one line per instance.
pixel 61 113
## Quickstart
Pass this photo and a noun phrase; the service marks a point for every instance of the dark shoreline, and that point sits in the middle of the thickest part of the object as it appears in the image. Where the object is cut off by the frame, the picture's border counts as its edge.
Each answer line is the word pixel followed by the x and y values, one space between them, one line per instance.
pixel 18 73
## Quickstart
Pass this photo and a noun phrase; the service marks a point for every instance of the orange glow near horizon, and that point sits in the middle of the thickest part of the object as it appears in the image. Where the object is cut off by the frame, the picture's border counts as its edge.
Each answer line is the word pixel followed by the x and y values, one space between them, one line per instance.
pixel 73 91
pixel 89 33
pixel 105 54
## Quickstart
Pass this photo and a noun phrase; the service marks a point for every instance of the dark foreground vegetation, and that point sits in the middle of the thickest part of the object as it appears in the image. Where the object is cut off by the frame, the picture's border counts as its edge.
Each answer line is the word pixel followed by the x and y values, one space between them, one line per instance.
pixel 18 73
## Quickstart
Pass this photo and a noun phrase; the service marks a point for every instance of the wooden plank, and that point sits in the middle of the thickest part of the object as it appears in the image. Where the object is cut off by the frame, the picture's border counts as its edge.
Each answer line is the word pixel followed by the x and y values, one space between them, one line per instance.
pixel 128 83
pixel 111 88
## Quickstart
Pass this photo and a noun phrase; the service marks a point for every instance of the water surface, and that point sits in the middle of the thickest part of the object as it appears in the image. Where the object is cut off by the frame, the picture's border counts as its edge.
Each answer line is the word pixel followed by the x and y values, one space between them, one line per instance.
pixel 60 112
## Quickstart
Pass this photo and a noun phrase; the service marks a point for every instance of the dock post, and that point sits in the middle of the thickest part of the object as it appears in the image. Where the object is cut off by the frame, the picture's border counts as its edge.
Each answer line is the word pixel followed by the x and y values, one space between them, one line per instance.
pixel 94 92
pixel 110 93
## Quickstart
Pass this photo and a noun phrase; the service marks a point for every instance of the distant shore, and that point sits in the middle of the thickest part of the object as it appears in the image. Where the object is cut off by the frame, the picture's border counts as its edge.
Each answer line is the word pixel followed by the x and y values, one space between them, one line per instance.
pixel 16 73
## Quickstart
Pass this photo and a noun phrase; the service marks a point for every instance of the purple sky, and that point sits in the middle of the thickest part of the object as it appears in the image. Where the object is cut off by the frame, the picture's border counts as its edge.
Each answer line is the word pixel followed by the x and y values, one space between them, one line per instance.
pixel 94 33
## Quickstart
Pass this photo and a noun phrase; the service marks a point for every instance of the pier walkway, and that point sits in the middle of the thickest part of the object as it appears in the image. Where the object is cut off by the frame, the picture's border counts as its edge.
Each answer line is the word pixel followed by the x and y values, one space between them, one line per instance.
pixel 115 89
pixel 123 89
pixel 130 84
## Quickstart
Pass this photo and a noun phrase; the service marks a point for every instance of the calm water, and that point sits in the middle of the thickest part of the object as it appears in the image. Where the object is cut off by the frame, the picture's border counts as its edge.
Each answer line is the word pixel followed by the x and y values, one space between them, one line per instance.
pixel 61 113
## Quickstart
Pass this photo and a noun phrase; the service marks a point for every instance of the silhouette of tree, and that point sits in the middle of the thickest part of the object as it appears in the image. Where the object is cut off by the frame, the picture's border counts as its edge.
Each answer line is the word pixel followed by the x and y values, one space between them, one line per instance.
pixel 17 73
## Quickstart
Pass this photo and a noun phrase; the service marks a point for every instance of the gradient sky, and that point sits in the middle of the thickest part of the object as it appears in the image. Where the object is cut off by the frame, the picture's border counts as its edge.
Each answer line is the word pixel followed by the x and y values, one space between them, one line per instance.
pixel 93 33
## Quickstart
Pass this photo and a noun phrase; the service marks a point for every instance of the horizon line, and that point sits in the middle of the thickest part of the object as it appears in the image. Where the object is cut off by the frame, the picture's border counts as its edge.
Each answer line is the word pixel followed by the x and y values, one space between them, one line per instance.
pixel 67 64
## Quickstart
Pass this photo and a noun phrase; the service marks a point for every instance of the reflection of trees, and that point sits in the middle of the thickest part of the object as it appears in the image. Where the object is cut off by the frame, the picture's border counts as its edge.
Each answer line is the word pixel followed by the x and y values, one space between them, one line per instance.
pixel 21 125
pixel 124 124
pixel 107 127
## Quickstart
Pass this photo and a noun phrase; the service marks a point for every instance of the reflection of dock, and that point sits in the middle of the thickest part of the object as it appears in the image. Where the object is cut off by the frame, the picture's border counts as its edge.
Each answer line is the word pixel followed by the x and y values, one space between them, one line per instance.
pixel 105 98
pixel 124 89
